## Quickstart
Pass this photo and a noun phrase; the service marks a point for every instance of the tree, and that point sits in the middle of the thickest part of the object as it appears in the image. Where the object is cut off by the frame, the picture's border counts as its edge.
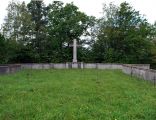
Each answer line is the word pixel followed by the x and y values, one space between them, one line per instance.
pixel 11 25
pixel 17 29
pixel 123 36
pixel 38 12
pixel 3 50
pixel 8 50
pixel 153 51
pixel 17 22
pixel 65 24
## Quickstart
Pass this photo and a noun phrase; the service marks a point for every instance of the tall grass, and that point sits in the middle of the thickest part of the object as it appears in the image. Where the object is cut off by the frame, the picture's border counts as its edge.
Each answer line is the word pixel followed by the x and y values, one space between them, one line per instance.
pixel 75 95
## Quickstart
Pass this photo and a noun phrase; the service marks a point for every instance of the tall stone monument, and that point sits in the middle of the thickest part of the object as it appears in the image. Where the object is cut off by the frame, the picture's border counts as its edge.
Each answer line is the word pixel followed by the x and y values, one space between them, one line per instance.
pixel 74 50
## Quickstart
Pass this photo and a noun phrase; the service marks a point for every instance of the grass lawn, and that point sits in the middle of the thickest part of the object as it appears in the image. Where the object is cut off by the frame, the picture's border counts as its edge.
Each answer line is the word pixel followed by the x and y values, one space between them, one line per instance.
pixel 75 95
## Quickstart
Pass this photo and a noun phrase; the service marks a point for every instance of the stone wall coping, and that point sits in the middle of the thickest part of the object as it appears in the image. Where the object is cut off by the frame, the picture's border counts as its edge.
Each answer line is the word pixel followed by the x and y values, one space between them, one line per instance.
pixel 151 70
pixel 9 65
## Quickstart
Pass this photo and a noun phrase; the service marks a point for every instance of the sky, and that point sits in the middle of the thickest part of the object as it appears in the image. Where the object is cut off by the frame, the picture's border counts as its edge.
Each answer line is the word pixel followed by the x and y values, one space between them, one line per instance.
pixel 94 7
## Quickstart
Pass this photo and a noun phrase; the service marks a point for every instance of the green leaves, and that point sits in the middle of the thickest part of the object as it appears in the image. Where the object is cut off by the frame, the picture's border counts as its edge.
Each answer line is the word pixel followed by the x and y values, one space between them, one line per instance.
pixel 66 23
pixel 39 33
pixel 123 36
pixel 2 49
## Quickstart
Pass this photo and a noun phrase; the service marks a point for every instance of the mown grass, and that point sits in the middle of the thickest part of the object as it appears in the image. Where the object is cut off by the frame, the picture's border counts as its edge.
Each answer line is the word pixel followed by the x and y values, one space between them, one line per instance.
pixel 75 95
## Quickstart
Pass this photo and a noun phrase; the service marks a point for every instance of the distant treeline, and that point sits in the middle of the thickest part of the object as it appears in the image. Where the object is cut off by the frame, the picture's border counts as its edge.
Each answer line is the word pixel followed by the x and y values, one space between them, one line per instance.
pixel 38 33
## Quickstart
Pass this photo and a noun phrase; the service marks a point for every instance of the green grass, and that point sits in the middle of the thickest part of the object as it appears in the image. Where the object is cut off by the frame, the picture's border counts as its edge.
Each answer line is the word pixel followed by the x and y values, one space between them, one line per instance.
pixel 75 95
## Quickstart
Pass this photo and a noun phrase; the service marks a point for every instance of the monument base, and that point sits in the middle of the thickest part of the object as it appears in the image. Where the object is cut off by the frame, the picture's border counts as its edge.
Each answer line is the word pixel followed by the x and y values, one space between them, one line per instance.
pixel 74 61
pixel 74 65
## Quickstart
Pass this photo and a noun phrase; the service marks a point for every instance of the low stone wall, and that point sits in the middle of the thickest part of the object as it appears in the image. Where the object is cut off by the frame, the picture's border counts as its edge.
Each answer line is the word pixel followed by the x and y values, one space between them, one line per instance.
pixel 44 66
pixel 109 66
pixel 71 65
pixel 144 66
pixel 6 69
pixel 140 72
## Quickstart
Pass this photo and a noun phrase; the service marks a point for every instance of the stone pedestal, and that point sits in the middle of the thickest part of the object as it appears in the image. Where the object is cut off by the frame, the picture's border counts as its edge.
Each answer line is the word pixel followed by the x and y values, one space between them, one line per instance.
pixel 74 65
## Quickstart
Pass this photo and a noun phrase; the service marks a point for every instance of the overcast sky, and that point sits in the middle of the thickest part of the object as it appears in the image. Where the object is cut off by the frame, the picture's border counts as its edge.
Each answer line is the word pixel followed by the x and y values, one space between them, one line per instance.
pixel 94 7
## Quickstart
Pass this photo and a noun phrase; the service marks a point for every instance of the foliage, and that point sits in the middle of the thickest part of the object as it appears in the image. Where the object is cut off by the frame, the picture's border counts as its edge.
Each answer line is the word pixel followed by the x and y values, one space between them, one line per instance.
pixel 45 31
pixel 65 24
pixel 38 12
pixel 123 36
pixel 17 22
pixel 17 29
pixel 35 32
pixel 2 49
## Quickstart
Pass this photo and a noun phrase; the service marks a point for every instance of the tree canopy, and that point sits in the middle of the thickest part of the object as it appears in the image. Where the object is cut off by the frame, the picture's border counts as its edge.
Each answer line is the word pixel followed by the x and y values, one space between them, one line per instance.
pixel 36 32
pixel 123 36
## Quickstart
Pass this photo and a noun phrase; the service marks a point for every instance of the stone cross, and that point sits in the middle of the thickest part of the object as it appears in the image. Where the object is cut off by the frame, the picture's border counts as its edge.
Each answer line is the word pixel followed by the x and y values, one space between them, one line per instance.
pixel 74 50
